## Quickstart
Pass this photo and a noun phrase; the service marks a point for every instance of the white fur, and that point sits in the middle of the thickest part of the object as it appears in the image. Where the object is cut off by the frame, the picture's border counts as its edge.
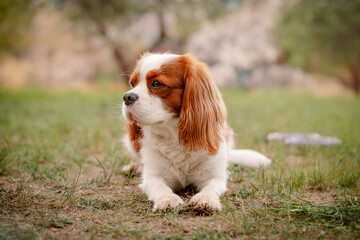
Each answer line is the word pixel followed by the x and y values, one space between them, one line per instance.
pixel 248 158
pixel 154 61
pixel 167 167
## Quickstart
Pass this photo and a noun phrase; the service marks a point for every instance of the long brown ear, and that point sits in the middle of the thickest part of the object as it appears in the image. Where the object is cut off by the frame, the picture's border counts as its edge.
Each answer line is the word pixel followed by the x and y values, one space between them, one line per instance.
pixel 135 135
pixel 203 113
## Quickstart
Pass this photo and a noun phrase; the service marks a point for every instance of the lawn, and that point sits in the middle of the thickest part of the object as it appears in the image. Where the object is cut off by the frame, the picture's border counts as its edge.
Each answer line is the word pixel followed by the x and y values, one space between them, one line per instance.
pixel 61 155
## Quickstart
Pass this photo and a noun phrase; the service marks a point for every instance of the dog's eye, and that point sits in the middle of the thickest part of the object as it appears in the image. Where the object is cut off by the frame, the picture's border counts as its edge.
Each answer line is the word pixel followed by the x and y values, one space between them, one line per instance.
pixel 132 84
pixel 156 84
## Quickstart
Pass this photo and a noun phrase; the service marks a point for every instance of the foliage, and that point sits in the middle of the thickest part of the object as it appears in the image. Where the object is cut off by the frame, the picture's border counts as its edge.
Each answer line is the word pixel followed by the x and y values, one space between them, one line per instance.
pixel 98 16
pixel 104 18
pixel 189 15
pixel 123 12
pixel 323 36
pixel 15 20
pixel 102 12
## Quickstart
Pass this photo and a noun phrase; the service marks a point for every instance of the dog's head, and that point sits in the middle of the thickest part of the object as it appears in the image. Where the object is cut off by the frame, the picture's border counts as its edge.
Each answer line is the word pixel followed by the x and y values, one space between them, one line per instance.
pixel 169 86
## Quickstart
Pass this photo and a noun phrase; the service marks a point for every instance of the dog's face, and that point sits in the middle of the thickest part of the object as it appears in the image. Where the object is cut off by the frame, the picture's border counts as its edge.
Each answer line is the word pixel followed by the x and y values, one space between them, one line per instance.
pixel 169 86
pixel 157 90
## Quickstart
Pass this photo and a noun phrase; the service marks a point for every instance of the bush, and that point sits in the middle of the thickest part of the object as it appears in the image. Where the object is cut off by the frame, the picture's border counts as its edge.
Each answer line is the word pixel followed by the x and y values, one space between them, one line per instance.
pixel 323 36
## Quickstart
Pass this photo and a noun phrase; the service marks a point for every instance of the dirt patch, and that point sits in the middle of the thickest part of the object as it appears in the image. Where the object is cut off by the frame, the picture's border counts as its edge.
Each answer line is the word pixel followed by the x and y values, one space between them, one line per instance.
pixel 18 201
pixel 323 197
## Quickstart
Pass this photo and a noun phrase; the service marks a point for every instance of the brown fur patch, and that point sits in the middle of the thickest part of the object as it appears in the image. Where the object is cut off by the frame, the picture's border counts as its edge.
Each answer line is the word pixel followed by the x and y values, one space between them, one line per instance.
pixel 135 134
pixel 172 76
pixel 203 113
pixel 134 80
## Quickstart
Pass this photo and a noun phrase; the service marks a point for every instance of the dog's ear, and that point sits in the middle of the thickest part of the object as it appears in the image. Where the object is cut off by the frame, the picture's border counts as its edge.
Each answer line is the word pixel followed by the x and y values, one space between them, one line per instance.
pixel 203 113
pixel 135 134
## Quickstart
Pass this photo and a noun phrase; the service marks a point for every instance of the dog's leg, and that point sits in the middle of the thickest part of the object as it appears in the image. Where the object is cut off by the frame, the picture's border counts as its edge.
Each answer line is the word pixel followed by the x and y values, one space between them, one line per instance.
pixel 162 195
pixel 135 165
pixel 208 197
pixel 210 179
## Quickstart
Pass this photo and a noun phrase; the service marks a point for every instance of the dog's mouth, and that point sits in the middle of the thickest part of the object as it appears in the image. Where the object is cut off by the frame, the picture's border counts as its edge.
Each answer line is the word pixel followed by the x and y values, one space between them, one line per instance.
pixel 130 117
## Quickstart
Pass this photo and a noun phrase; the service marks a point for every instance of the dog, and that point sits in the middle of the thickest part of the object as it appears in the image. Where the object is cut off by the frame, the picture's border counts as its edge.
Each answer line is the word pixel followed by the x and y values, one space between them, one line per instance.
pixel 177 132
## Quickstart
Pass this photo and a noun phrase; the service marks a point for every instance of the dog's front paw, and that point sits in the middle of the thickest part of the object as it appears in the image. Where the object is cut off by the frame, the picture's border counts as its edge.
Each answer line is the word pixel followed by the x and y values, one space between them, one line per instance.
pixel 131 169
pixel 126 169
pixel 203 202
pixel 167 203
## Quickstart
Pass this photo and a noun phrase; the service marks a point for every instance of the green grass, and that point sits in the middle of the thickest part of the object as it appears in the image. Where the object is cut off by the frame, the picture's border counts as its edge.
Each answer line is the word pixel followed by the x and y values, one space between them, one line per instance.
pixel 60 160
pixel 60 128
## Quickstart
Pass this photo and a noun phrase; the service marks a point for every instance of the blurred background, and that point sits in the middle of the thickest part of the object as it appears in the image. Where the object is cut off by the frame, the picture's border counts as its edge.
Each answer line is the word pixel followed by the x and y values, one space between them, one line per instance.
pixel 251 44
pixel 283 66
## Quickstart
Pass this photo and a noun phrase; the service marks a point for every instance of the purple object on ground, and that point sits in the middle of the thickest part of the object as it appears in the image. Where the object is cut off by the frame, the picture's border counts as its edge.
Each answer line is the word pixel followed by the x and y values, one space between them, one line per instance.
pixel 299 139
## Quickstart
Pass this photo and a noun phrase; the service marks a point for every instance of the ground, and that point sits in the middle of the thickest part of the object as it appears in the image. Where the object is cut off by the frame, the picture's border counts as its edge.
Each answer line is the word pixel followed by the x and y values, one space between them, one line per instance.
pixel 61 155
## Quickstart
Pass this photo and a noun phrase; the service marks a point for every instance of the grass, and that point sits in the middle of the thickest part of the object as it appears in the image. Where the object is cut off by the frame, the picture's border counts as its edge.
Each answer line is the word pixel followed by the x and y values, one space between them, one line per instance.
pixel 60 160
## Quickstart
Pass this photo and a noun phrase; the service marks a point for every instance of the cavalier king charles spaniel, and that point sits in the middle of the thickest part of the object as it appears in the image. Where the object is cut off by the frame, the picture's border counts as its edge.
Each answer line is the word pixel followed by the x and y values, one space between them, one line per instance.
pixel 177 132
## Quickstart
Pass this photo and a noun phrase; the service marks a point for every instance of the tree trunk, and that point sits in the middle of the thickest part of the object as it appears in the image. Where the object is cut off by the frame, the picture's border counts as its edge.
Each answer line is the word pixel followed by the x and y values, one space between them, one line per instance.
pixel 120 60
pixel 352 81
pixel 163 34
pixel 163 43
pixel 355 78
pixel 118 54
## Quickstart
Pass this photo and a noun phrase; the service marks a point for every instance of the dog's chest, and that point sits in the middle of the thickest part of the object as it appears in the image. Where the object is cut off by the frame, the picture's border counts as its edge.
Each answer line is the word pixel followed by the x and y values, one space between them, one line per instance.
pixel 179 164
pixel 172 155
pixel 175 155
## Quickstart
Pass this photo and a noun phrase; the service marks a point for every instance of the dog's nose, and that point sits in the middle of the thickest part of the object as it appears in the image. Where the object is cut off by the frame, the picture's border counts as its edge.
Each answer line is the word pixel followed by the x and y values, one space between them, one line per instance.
pixel 130 98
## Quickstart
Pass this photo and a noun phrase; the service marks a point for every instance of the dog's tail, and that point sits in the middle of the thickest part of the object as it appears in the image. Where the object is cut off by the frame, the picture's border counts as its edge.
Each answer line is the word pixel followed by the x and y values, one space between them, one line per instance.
pixel 247 158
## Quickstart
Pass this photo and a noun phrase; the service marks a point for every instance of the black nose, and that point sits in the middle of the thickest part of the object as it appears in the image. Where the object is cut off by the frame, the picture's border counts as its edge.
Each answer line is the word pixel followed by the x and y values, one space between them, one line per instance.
pixel 130 98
